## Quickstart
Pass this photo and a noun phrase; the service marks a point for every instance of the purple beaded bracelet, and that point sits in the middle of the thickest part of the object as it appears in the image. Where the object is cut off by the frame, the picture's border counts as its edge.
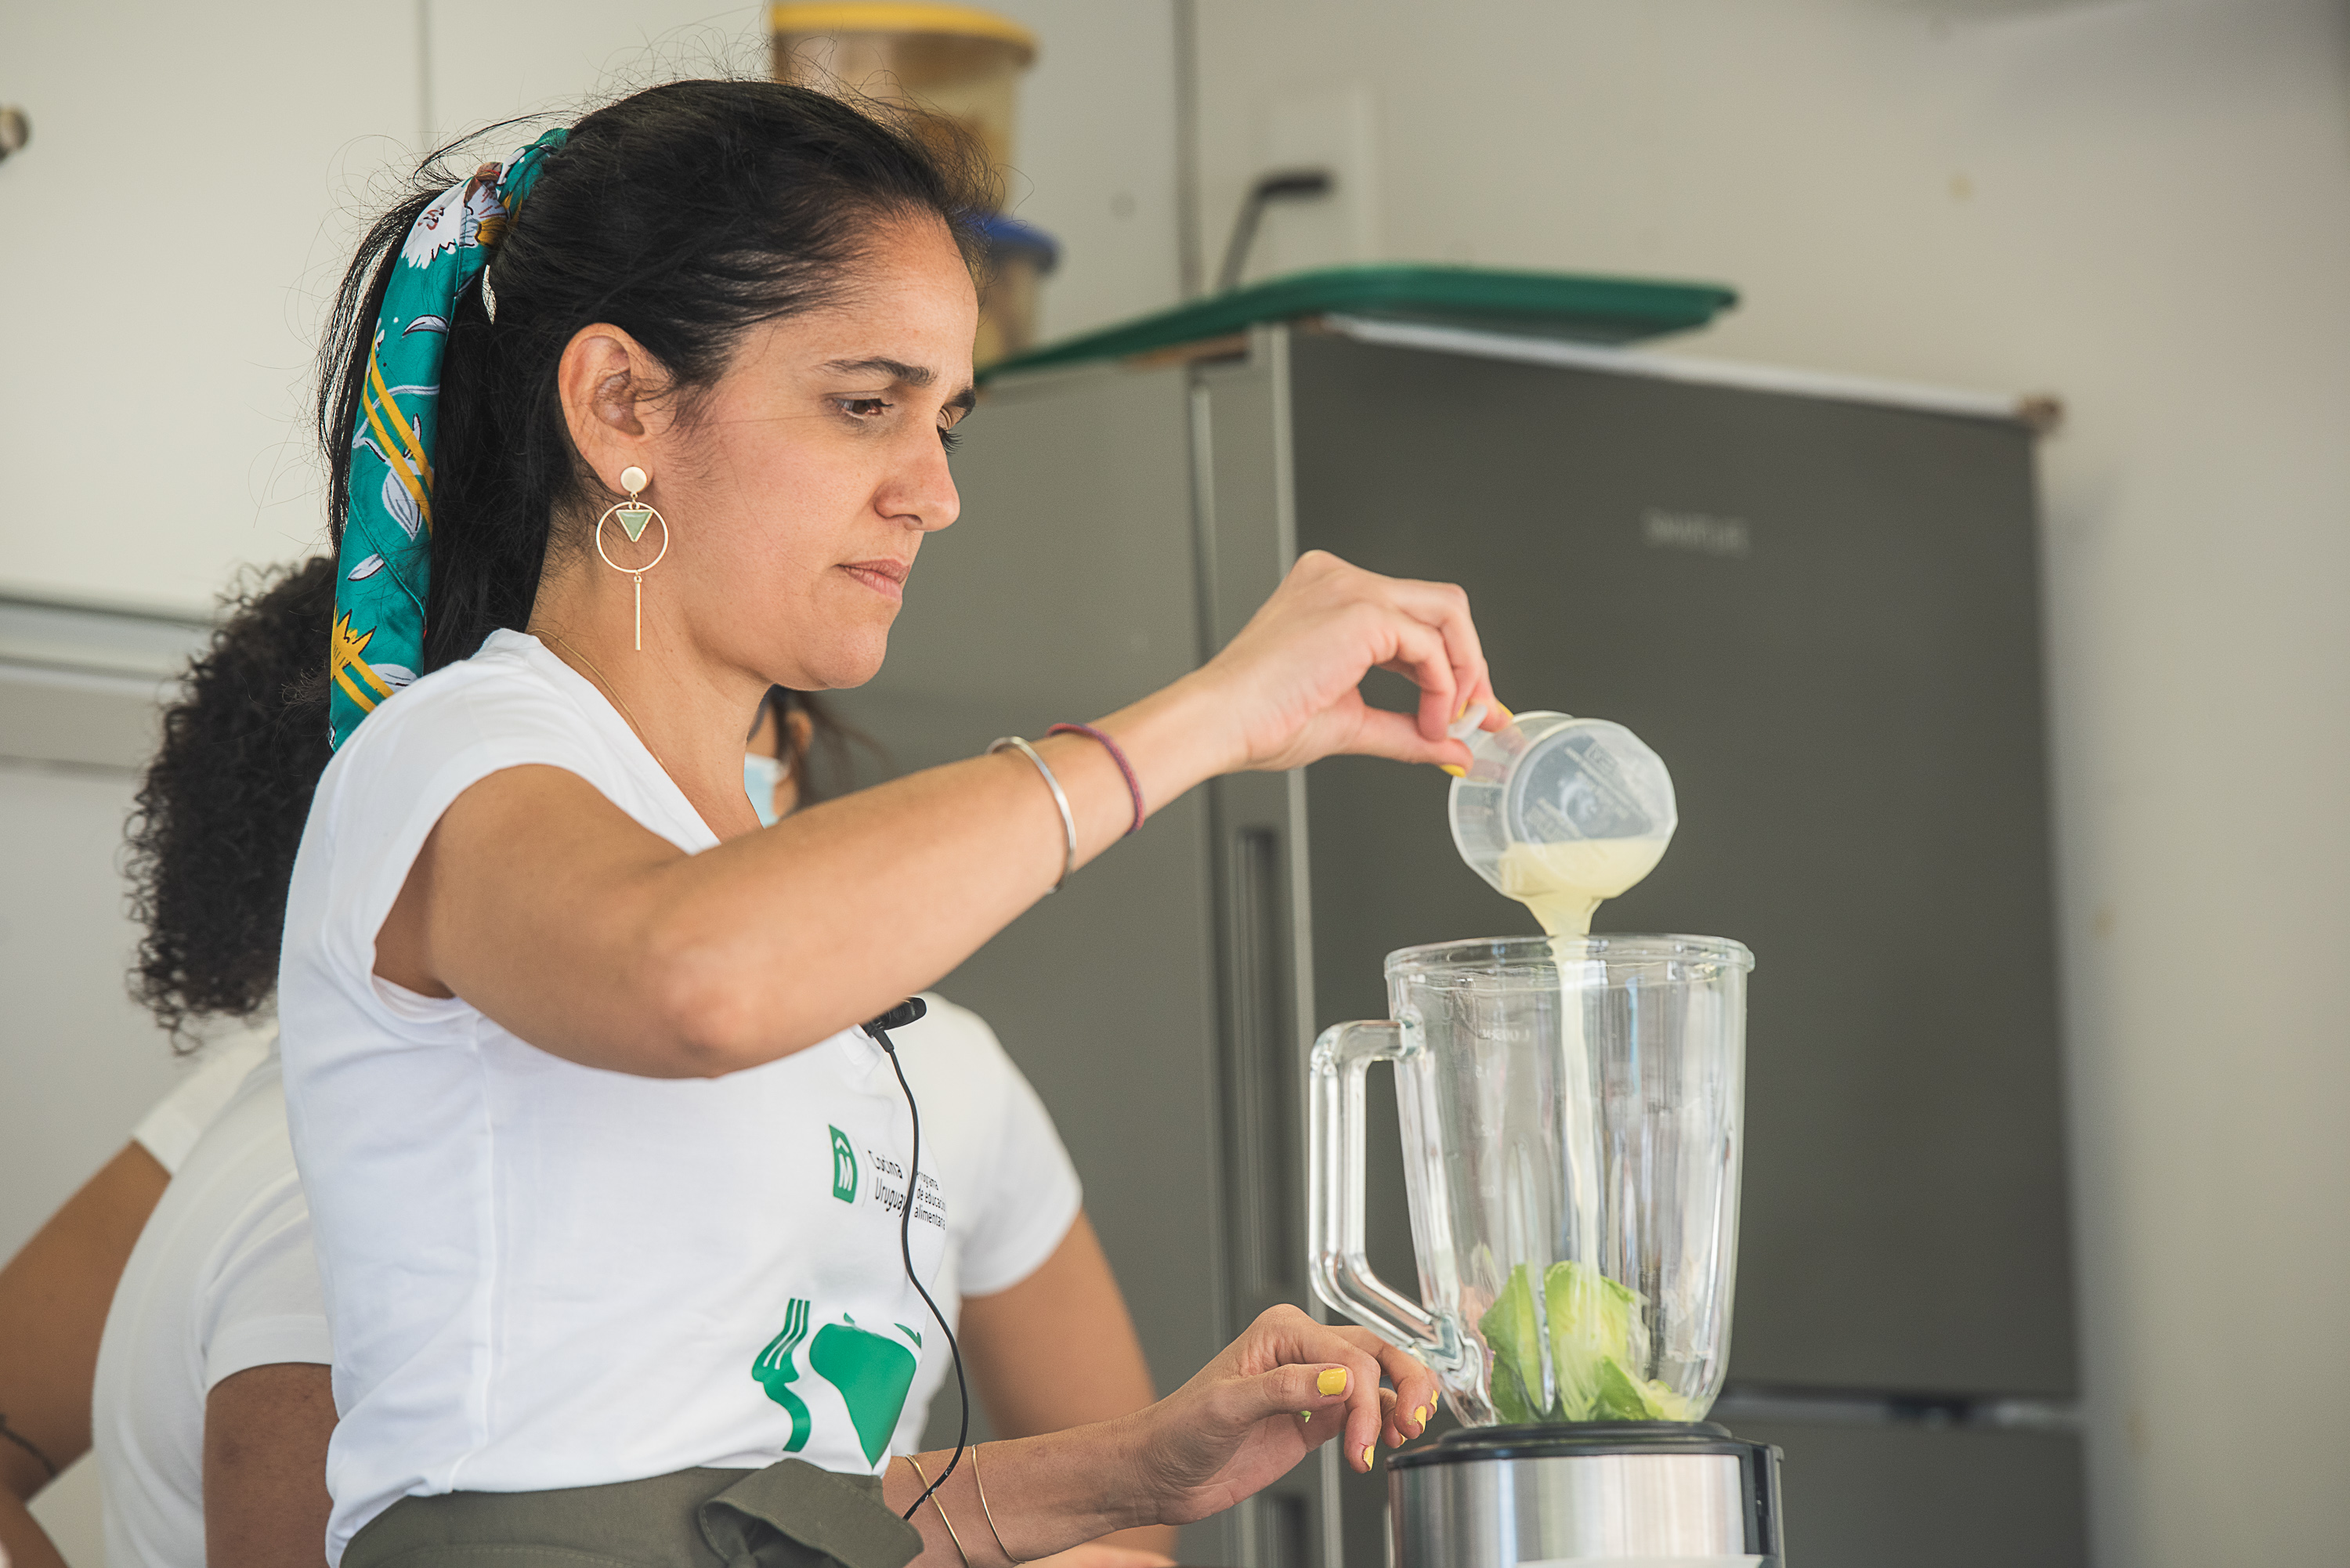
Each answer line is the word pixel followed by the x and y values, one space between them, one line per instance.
pixel 1133 785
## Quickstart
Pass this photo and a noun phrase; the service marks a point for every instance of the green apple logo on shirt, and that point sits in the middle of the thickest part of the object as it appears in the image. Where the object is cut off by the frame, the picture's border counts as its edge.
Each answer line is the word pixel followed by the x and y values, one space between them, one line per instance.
pixel 872 1372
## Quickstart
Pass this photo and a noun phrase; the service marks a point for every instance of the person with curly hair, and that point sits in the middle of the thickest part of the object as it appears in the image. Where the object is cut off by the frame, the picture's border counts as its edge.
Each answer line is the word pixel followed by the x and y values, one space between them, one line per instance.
pixel 212 847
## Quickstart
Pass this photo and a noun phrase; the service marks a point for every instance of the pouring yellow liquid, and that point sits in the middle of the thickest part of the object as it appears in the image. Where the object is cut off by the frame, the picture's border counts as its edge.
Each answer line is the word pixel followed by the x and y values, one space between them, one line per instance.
pixel 1564 883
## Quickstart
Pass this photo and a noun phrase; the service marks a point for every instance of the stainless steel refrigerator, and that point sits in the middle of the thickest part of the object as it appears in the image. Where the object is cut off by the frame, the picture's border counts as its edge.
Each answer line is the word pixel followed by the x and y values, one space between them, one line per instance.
pixel 1819 600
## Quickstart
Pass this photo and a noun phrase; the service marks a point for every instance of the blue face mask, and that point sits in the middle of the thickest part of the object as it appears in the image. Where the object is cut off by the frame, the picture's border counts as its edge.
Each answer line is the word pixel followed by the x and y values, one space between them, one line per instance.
pixel 761 776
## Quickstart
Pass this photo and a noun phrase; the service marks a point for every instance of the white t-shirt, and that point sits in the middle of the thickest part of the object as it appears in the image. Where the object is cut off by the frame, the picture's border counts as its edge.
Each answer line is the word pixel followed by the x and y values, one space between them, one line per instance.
pixel 222 1280
pixel 542 1275
pixel 1012 1192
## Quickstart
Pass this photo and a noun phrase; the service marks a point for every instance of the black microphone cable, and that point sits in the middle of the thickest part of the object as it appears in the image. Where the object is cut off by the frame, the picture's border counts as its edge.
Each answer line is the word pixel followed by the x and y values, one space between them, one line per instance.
pixel 898 1017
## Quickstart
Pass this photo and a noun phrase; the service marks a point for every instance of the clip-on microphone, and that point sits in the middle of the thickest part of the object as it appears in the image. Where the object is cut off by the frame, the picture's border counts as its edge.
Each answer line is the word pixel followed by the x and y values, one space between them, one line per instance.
pixel 898 1017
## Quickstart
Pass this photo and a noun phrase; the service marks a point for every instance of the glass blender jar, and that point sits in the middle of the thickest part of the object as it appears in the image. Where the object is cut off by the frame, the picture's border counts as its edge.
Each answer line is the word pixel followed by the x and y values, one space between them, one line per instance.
pixel 1571 1112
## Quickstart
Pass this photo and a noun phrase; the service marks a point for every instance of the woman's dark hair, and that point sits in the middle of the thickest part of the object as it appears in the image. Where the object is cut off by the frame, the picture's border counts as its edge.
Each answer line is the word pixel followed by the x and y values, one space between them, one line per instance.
pixel 682 214
pixel 220 813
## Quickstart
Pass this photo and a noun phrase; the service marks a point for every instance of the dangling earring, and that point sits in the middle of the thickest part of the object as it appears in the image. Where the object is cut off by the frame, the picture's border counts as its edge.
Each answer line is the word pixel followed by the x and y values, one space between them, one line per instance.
pixel 634 514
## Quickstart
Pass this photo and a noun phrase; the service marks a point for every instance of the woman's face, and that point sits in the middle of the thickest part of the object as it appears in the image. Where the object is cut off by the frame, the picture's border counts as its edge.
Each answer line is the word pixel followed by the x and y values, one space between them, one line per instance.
pixel 801 488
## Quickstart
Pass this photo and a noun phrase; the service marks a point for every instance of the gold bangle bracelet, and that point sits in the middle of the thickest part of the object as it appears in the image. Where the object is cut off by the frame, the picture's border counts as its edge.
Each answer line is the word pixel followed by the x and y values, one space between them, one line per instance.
pixel 940 1509
pixel 988 1513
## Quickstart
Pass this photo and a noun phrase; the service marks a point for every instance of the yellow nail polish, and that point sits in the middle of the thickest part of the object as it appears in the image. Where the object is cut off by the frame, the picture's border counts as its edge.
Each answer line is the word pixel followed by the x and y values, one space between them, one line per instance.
pixel 1419 1417
pixel 1456 773
pixel 1507 717
pixel 1367 1449
pixel 1332 1381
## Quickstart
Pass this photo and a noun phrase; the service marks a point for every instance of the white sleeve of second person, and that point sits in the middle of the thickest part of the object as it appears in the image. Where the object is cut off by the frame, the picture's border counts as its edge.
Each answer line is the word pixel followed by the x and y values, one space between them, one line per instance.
pixel 171 1128
pixel 264 1306
pixel 221 1281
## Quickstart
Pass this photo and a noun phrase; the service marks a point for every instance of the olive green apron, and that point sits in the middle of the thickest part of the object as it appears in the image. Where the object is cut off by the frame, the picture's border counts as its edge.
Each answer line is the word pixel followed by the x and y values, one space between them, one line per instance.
pixel 788 1515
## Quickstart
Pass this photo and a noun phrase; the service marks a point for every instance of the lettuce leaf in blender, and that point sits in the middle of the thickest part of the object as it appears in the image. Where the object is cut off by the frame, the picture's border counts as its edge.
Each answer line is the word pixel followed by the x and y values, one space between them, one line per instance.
pixel 1597 1345
pixel 1514 1338
pixel 1593 1322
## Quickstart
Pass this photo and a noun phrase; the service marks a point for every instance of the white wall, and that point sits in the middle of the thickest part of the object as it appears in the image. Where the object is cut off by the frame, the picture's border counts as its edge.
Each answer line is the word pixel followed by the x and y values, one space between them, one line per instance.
pixel 197 176
pixel 1096 164
pixel 166 229
pixel 2144 206
pixel 1094 158
pixel 493 59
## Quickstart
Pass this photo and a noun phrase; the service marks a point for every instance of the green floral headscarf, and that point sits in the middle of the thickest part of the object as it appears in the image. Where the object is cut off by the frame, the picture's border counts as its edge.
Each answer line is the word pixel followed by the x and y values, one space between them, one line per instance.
pixel 377 644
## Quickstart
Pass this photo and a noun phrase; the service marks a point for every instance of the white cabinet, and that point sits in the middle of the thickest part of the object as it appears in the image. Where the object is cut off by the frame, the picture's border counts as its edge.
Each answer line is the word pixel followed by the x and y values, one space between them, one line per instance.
pixel 194 182
pixel 173 227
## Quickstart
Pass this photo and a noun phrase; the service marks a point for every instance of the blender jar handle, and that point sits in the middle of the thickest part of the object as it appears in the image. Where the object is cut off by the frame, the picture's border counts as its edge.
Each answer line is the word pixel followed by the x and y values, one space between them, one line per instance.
pixel 1342 1274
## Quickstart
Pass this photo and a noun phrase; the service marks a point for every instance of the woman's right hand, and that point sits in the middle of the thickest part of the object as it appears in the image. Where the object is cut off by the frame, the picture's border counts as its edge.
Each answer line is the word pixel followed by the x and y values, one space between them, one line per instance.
pixel 1287 686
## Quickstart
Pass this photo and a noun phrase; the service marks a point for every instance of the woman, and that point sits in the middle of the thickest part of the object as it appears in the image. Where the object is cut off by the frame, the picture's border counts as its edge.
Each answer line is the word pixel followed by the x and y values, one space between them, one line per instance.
pixel 212 1412
pixel 615 1201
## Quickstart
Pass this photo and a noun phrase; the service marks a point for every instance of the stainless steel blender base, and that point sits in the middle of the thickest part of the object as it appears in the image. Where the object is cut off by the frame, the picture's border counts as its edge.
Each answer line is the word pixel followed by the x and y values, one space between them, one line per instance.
pixel 1601 1491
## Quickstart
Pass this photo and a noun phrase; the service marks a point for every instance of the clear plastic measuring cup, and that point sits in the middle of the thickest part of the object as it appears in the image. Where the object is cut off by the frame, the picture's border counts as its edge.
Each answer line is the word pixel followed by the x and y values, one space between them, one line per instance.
pixel 1561 813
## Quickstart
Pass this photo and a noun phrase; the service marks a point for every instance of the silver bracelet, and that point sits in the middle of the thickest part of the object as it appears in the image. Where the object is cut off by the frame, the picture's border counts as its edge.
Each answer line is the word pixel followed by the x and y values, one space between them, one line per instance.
pixel 1068 817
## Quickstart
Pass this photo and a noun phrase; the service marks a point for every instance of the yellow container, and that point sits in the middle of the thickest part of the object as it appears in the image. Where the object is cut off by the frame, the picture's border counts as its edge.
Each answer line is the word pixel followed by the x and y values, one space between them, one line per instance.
pixel 956 60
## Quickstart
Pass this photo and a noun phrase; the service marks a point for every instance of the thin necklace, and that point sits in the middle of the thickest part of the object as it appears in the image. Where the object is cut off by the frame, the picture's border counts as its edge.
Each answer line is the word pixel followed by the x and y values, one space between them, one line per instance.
pixel 618 700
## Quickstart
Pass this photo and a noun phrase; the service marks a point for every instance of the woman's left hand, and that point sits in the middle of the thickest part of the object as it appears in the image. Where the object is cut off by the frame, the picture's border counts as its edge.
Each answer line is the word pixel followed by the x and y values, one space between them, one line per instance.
pixel 1284 1388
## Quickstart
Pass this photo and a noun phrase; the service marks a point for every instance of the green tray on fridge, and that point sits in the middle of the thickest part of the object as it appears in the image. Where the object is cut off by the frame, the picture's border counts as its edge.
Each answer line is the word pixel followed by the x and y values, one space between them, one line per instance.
pixel 1572 305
